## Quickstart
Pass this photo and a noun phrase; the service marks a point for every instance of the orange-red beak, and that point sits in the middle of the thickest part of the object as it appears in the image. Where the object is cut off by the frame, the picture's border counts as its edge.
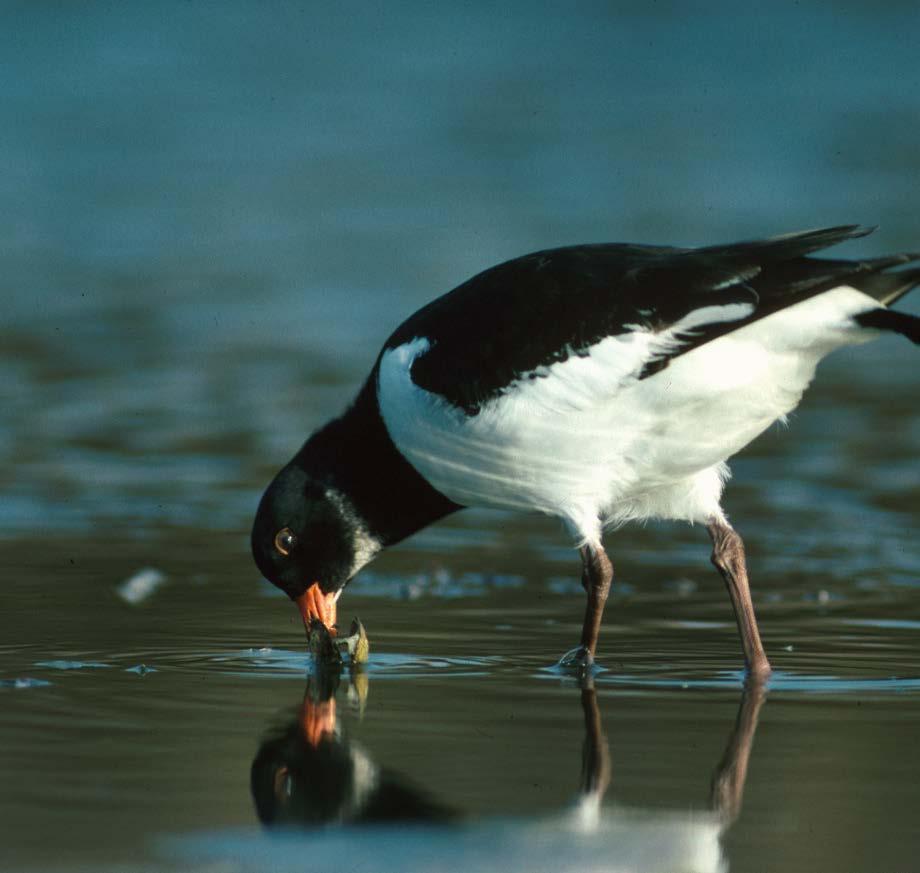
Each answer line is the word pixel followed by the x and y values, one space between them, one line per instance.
pixel 313 603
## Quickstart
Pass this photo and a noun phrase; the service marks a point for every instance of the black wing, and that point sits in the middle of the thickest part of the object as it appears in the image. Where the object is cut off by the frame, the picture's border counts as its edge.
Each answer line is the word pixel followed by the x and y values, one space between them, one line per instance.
pixel 508 321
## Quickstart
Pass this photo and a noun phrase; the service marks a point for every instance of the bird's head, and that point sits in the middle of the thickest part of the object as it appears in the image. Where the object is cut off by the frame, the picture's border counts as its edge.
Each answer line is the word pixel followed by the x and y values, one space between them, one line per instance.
pixel 309 541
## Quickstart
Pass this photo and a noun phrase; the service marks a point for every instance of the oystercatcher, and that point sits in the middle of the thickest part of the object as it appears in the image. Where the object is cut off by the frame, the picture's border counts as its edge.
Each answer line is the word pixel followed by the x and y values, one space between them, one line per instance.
pixel 599 384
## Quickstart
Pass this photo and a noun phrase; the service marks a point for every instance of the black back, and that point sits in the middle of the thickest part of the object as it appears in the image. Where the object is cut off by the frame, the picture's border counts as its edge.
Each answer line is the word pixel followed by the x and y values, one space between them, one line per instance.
pixel 508 321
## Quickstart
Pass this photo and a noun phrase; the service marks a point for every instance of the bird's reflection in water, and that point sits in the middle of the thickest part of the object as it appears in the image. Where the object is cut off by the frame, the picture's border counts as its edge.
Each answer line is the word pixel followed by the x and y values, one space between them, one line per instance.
pixel 308 773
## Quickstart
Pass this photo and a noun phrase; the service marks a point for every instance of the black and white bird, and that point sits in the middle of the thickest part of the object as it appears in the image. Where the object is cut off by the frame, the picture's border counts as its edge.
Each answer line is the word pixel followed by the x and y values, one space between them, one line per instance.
pixel 600 384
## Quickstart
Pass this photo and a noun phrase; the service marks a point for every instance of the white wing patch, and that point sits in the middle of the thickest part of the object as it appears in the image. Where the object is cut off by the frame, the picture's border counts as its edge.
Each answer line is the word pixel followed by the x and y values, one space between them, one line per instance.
pixel 711 315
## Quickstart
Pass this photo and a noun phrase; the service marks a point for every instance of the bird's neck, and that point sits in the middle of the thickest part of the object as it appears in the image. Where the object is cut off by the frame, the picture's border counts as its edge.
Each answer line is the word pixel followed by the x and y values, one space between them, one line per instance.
pixel 355 454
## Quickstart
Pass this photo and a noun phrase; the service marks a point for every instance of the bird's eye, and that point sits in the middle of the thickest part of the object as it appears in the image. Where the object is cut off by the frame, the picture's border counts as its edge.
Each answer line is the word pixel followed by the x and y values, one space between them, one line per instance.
pixel 285 541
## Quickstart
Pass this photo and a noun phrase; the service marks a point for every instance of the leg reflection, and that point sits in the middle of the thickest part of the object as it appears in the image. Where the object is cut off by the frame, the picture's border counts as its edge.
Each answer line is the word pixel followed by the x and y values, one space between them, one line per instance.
pixel 728 781
pixel 731 773
pixel 595 754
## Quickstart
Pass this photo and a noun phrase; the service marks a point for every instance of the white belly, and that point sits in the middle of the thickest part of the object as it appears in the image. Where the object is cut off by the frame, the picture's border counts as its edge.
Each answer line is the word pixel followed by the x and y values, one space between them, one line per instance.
pixel 588 441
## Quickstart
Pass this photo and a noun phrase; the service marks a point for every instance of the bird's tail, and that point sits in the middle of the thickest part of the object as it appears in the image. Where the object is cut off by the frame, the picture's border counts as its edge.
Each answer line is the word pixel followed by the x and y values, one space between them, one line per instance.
pixel 887 319
pixel 887 288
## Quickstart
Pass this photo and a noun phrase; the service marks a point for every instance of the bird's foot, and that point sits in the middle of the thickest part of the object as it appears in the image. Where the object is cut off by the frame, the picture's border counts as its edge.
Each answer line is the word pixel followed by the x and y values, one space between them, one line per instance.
pixel 578 661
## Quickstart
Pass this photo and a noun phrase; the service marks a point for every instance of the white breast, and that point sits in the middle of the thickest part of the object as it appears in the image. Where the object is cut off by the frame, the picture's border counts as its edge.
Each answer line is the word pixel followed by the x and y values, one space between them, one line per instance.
pixel 589 442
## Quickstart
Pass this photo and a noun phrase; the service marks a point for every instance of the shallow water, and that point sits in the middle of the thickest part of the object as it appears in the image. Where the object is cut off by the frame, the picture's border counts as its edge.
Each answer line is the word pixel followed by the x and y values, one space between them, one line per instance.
pixel 136 739
pixel 210 221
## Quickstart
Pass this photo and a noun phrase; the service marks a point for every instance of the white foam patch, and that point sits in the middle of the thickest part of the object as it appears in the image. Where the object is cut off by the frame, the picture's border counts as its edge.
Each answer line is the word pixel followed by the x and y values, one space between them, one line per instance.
pixel 140 586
